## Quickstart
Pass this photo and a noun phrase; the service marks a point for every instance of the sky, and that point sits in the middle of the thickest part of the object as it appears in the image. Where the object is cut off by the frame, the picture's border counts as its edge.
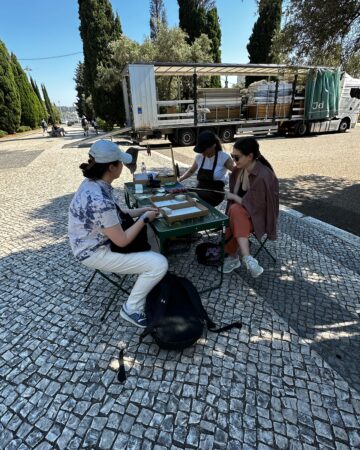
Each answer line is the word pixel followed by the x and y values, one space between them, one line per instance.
pixel 35 29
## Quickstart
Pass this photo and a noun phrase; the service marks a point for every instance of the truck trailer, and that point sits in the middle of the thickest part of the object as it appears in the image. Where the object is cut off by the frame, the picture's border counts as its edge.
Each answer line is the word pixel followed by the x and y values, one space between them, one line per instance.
pixel 294 100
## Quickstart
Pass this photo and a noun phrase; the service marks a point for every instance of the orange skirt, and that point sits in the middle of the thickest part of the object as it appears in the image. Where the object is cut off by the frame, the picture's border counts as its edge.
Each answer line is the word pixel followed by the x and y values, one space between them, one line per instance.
pixel 240 225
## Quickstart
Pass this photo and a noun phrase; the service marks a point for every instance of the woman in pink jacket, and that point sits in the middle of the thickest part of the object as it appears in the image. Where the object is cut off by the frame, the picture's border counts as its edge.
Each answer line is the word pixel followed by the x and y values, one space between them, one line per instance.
pixel 253 204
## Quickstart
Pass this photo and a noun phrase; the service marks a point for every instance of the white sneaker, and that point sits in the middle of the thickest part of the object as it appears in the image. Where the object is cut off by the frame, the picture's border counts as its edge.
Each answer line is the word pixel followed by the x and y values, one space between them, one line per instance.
pixel 230 264
pixel 253 266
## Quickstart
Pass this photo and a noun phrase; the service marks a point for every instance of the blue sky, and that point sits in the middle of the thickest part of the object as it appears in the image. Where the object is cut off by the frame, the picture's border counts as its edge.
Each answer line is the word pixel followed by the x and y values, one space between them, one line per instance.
pixel 39 28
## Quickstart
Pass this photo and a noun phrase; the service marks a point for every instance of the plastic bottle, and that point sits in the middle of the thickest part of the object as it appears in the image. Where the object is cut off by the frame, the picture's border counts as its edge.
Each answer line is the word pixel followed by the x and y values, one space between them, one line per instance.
pixel 143 167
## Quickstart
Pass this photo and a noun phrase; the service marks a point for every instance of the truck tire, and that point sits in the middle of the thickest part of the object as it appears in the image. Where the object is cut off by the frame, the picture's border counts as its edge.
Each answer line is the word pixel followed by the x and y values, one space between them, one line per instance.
pixel 301 129
pixel 227 134
pixel 344 125
pixel 186 137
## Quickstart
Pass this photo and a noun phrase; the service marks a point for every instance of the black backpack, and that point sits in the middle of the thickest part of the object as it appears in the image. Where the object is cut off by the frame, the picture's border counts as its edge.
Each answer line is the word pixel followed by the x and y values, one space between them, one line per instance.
pixel 176 316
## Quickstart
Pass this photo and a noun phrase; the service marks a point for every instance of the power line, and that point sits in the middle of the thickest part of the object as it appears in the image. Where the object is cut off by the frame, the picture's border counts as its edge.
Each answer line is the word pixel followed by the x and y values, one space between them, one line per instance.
pixel 50 57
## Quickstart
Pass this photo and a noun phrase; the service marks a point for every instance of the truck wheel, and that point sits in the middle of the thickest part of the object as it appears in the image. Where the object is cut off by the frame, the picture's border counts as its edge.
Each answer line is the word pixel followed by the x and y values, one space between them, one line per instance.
pixel 227 134
pixel 186 137
pixel 344 125
pixel 301 129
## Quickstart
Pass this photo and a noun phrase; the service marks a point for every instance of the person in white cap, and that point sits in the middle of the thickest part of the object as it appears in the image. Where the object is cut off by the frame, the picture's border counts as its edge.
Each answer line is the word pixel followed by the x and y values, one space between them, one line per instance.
pixel 95 225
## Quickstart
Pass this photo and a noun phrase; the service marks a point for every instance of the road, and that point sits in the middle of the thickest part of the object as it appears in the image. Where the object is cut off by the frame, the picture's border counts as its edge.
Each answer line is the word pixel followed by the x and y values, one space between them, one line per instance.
pixel 319 175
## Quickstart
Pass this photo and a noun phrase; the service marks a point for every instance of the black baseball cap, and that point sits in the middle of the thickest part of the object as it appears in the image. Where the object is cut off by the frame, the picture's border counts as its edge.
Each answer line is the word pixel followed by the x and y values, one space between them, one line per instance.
pixel 206 139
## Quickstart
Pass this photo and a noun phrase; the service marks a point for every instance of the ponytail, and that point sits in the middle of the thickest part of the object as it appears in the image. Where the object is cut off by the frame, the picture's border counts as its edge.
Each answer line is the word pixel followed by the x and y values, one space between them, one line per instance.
pixel 94 170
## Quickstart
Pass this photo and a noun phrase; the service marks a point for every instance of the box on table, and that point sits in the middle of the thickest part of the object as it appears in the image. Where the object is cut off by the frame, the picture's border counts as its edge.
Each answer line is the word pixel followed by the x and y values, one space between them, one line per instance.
pixel 188 204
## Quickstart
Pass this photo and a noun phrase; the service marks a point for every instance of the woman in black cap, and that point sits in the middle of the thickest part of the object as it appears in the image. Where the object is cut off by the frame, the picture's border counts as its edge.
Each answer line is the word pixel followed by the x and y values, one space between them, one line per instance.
pixel 211 164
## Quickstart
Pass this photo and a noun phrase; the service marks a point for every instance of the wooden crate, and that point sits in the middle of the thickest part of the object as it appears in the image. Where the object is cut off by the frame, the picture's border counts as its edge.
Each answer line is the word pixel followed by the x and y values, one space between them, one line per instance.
pixel 266 110
pixel 223 113
pixel 188 202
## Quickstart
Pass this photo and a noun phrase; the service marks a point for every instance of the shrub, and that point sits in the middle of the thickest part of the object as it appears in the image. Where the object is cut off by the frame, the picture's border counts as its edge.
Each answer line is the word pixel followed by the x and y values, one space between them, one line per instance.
pixel 23 128
pixel 103 125
pixel 3 133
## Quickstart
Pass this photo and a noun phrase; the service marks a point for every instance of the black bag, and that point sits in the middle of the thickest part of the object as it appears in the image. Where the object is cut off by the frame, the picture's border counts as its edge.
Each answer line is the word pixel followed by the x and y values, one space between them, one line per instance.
pixel 176 316
pixel 208 253
pixel 139 244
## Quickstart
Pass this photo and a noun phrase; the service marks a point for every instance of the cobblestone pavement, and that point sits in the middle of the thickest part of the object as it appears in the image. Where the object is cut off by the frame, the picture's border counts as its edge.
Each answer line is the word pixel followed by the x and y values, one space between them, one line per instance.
pixel 288 379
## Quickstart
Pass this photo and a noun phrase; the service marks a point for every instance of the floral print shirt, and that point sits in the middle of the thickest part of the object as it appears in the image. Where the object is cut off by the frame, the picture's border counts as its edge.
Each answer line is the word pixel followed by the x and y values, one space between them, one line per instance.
pixel 92 208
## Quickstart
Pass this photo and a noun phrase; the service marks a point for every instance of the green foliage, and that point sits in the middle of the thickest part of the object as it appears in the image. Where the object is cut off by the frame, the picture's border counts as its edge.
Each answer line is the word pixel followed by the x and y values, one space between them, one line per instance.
pixel 10 106
pixel 23 128
pixel 198 17
pixel 157 16
pixel 98 28
pixel 321 32
pixel 41 104
pixel 3 133
pixel 192 18
pixel 103 125
pixel 265 28
pixel 30 113
pixel 170 44
pixel 53 113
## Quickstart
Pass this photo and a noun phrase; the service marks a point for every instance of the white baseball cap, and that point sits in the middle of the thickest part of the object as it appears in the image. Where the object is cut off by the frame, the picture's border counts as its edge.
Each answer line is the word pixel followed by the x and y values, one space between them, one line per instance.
pixel 104 151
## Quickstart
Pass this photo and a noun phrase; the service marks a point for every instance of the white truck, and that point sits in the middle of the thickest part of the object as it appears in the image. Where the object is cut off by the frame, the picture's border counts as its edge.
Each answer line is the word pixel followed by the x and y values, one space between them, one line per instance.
pixel 288 99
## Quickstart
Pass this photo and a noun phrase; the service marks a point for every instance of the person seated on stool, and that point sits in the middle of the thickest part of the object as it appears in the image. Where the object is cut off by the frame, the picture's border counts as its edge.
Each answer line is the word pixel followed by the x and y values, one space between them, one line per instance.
pixel 253 204
pixel 211 164
pixel 95 222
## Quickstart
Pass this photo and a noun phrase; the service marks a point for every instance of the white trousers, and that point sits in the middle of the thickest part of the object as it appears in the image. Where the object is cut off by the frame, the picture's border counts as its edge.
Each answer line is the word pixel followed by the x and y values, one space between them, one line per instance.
pixel 150 266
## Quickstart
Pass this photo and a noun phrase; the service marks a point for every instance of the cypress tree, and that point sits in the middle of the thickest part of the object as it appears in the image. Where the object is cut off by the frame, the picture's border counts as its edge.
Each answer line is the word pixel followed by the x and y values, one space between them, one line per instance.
pixel 98 28
pixel 10 106
pixel 80 89
pixel 264 30
pixel 213 31
pixel 192 18
pixel 157 16
pixel 51 111
pixel 42 108
pixel 28 99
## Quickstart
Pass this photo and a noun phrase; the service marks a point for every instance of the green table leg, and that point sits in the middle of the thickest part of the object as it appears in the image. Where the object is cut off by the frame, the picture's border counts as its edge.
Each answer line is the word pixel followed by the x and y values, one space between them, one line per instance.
pixel 217 286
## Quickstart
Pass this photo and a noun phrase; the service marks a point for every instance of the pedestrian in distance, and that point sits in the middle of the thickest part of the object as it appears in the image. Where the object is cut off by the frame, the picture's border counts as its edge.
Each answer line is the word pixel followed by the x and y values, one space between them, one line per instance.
pixel 253 204
pixel 96 222
pixel 95 126
pixel 44 126
pixel 85 125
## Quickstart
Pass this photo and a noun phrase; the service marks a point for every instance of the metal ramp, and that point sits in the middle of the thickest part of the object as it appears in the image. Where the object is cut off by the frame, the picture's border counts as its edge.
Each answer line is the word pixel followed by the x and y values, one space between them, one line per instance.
pixel 86 142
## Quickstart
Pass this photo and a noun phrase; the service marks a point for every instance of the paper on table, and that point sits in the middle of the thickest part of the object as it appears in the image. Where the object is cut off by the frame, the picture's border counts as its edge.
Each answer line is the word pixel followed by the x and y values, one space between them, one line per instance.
pixel 180 212
pixel 169 202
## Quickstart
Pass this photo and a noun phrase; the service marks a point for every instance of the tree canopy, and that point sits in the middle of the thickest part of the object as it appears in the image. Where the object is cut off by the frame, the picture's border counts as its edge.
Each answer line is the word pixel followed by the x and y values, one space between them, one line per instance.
pixel 321 32
pixel 170 44
pixel 98 28
pixel 157 16
pixel 10 106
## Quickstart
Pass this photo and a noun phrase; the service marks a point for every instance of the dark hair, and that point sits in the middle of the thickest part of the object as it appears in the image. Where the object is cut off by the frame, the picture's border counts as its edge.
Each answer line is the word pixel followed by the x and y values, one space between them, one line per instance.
pixel 207 139
pixel 94 170
pixel 247 145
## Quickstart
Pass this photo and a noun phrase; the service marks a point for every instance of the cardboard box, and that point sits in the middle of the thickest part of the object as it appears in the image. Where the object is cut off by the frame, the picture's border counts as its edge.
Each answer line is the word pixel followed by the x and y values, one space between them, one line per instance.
pixel 188 203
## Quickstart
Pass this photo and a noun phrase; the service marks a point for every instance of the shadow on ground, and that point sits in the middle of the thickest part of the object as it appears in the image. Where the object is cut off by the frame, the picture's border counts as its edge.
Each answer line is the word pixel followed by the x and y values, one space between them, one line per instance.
pixel 334 201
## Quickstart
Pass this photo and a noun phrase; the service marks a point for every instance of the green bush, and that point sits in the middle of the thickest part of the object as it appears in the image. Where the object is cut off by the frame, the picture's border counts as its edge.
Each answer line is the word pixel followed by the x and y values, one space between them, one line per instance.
pixel 3 133
pixel 23 128
pixel 103 125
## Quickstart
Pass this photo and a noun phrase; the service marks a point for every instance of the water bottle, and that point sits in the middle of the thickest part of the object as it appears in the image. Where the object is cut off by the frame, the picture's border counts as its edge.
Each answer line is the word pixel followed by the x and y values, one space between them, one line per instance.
pixel 143 167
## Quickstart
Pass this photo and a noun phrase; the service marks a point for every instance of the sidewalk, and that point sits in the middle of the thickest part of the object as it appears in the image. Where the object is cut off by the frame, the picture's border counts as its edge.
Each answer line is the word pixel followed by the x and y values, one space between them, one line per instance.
pixel 288 379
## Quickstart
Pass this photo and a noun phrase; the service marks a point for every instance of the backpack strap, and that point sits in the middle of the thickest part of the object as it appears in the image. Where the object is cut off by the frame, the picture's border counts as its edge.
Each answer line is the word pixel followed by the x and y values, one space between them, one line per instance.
pixel 194 297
